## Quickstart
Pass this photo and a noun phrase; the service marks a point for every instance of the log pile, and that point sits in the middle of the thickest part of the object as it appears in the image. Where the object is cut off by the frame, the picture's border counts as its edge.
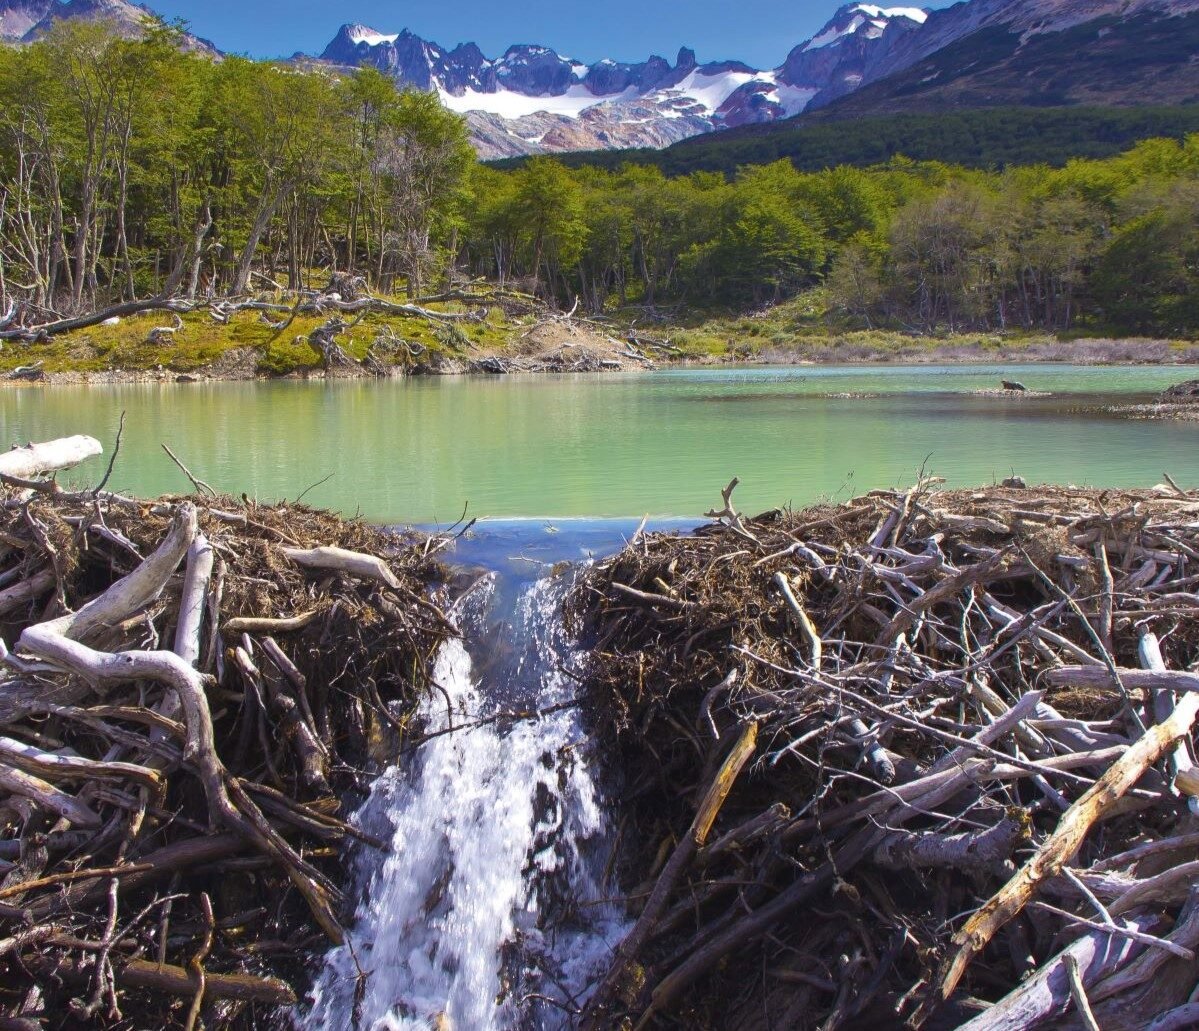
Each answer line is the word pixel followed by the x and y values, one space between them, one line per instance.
pixel 190 691
pixel 935 755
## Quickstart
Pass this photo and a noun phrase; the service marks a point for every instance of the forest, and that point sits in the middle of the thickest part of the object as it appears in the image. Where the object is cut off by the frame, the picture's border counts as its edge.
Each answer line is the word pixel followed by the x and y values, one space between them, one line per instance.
pixel 986 138
pixel 130 169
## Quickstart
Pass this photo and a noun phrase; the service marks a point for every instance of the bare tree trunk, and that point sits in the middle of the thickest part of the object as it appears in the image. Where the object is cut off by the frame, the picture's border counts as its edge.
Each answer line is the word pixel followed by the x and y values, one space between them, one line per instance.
pixel 265 213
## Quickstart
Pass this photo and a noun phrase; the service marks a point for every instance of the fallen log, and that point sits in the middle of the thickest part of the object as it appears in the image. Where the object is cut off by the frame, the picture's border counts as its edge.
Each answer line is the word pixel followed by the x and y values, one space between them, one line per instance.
pixel 34 460
pixel 1046 995
pixel 118 311
pixel 367 567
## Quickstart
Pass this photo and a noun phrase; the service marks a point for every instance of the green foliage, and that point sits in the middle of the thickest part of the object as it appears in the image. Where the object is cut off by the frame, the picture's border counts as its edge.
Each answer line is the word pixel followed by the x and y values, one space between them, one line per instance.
pixel 129 168
pixel 1148 276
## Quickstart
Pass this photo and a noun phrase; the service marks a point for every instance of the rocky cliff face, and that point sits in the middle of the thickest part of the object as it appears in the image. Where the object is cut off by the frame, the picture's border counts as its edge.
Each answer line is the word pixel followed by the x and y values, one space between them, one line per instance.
pixel 23 21
pixel 17 17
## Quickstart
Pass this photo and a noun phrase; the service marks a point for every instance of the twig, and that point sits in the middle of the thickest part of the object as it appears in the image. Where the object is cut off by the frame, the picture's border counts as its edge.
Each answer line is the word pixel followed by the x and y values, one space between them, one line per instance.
pixel 1079 992
pixel 200 485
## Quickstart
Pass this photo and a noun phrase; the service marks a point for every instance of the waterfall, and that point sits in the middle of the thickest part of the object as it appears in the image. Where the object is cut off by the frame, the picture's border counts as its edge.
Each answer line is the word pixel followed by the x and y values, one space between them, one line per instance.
pixel 487 911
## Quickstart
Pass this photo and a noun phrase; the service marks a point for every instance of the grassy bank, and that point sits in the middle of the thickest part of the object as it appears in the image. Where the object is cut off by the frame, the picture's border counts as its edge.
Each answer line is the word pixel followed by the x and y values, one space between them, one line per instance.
pixel 800 331
pixel 248 346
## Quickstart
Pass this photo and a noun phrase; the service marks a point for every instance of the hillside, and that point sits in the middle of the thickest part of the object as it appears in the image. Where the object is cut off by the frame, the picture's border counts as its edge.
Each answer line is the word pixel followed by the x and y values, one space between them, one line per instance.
pixel 986 138
pixel 1108 60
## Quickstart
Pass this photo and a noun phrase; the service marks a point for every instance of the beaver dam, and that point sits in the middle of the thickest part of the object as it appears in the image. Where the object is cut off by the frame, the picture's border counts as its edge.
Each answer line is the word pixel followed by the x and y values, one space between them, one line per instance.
pixel 922 759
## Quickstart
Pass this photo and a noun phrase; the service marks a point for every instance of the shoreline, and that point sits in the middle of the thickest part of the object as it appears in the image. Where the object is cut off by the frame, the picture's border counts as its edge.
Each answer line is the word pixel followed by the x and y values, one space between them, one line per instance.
pixel 496 334
pixel 241 372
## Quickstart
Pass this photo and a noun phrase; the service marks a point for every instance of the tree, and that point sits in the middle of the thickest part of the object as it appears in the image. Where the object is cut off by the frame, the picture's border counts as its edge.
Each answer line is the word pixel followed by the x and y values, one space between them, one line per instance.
pixel 1147 280
pixel 422 155
pixel 549 206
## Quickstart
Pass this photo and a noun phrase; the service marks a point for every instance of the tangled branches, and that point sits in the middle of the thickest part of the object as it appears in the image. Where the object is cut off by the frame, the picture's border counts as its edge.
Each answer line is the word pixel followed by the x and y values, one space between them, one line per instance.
pixel 193 687
pixel 938 749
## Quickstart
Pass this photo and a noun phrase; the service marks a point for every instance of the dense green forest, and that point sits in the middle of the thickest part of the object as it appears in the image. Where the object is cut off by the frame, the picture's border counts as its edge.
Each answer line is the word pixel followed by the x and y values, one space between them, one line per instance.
pixel 129 169
pixel 984 138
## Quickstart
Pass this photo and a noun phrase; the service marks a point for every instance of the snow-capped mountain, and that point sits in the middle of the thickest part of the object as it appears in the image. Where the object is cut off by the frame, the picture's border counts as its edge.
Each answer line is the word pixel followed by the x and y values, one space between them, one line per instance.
pixel 535 100
pixel 850 49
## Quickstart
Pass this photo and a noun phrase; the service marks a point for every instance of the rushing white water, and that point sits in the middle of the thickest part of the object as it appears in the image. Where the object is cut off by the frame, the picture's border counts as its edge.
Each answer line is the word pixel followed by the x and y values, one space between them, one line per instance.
pixel 487 904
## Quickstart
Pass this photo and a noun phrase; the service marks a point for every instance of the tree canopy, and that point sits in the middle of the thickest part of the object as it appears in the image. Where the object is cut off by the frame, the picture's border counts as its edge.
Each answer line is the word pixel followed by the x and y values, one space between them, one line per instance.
pixel 131 169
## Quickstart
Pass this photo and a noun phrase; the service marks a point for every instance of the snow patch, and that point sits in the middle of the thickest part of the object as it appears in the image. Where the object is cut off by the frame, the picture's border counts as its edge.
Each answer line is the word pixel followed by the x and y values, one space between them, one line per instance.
pixel 833 33
pixel 875 20
pixel 508 104
pixel 363 34
pixel 793 100
pixel 916 14
pixel 711 91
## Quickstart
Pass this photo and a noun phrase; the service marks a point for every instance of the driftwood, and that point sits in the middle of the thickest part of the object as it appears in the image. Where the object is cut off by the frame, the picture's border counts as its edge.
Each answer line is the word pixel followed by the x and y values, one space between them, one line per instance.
pixel 969 798
pixel 152 780
pixel 39 459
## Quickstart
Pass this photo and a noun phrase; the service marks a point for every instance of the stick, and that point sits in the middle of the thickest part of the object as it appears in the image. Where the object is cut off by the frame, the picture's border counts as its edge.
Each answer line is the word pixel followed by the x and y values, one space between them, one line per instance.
pixel 192 601
pixel 1186 777
pixel 116 450
pixel 200 485
pixel 598 1011
pixel 1062 845
pixel 1079 994
pixel 801 616
pixel 263 625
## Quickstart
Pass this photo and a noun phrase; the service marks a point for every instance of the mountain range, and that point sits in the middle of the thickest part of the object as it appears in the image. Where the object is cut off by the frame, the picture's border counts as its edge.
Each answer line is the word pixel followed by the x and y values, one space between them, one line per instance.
pixel 866 60
pixel 533 99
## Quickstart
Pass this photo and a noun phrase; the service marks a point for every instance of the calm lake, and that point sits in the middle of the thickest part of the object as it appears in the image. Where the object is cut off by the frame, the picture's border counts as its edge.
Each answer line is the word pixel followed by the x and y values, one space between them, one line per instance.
pixel 618 445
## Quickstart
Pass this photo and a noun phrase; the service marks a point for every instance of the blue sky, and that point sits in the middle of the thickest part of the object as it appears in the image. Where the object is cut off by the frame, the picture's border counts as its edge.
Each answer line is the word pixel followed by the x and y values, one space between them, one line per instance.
pixel 759 32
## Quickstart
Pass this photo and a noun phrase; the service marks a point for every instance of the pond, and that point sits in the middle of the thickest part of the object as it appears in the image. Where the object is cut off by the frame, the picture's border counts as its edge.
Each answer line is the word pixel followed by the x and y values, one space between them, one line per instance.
pixel 663 443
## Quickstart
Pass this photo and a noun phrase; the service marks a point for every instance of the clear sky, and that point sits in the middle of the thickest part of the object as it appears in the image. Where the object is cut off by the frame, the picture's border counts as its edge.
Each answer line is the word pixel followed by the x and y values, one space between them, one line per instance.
pixel 759 32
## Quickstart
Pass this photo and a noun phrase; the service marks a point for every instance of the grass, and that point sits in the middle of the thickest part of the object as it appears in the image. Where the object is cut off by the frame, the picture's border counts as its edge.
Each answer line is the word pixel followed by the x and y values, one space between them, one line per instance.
pixel 202 342
pixel 797 330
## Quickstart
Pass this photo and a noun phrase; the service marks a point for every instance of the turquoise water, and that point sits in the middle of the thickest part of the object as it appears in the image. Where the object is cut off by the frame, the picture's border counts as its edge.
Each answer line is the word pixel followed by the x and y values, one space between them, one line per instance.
pixel 617 445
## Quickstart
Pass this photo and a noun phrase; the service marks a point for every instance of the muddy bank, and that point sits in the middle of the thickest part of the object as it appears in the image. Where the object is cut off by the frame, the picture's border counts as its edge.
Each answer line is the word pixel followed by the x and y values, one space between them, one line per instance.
pixel 888 761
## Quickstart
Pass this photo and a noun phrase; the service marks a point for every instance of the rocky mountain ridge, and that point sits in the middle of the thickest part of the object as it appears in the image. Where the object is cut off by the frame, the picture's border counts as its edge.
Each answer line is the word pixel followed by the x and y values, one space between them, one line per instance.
pixel 533 99
pixel 24 21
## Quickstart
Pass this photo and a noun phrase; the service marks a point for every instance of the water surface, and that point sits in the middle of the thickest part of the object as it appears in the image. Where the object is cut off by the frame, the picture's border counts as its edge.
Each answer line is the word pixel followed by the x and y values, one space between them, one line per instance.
pixel 622 444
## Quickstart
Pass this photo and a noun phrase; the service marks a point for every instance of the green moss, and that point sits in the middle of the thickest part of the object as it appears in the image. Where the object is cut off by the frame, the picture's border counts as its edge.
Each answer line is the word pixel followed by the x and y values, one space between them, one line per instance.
pixel 202 341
